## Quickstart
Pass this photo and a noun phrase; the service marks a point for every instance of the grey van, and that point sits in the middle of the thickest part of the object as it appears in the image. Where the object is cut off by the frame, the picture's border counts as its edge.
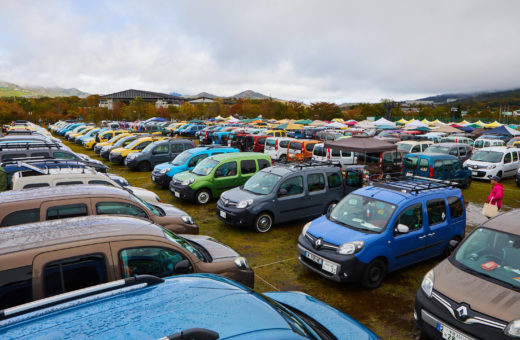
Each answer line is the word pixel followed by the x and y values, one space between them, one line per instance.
pixel 283 193
pixel 158 152
pixel 459 150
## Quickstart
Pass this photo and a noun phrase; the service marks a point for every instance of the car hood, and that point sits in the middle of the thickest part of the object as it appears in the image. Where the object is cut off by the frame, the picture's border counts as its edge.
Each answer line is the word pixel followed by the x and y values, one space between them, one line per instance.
pixel 171 210
pixel 117 150
pixel 338 323
pixel 482 295
pixel 186 175
pixel 144 194
pixel 480 163
pixel 337 234
pixel 219 251
pixel 237 195
pixel 162 166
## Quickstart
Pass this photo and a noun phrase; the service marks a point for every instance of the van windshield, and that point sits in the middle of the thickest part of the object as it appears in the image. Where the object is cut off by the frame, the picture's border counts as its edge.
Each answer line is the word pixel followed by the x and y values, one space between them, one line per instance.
pixel 362 213
pixel 134 143
pixel 261 183
pixel 487 156
pixel 205 167
pixel 182 158
pixel 123 140
pixel 491 254
pixel 404 147
pixel 184 243
pixel 437 149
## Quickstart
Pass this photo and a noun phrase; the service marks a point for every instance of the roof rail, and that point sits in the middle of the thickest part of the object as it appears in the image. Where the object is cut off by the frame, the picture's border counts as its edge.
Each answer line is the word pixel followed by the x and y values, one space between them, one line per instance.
pixel 137 282
pixel 29 145
pixel 411 184
pixel 308 163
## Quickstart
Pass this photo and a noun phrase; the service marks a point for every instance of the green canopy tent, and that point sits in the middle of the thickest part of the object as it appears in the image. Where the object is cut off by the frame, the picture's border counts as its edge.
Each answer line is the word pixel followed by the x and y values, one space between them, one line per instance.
pixel 303 121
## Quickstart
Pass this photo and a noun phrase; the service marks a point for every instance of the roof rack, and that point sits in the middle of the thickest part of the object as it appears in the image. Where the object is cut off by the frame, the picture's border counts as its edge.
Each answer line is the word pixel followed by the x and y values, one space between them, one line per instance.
pixel 29 145
pixel 411 184
pixel 136 282
pixel 308 163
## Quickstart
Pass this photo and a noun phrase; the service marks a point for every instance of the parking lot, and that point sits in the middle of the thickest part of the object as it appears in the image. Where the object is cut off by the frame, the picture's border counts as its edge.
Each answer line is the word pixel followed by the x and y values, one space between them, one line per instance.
pixel 387 310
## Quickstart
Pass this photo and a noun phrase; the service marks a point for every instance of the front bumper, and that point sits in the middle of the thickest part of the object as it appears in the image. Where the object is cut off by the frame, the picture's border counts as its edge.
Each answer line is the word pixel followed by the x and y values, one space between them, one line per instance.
pixel 90 145
pixel 105 154
pixel 118 159
pixel 184 192
pixel 97 149
pixel 234 216
pixel 131 163
pixel 160 179
pixel 78 141
pixel 483 173
pixel 430 315
pixel 348 267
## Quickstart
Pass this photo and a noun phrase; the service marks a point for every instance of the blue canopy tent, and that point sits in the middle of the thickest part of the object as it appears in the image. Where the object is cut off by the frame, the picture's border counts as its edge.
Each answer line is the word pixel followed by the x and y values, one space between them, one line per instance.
pixel 502 130
pixel 156 119
pixel 467 129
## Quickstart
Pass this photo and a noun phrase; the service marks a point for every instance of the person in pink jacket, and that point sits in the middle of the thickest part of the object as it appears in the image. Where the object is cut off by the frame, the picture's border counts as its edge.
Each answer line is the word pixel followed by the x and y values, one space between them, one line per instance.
pixel 497 192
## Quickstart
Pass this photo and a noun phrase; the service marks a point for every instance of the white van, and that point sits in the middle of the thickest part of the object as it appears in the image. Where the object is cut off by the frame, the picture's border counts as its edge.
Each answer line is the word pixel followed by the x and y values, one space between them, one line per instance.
pixel 412 146
pixel 71 176
pixel 321 154
pixel 458 139
pixel 498 161
pixel 487 142
pixel 276 147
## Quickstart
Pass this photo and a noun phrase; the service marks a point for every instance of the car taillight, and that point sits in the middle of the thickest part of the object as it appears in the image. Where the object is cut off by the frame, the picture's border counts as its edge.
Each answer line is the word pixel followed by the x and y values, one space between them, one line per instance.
pixel 381 160
pixel 328 154
pixel 431 171
pixel 206 134
pixel 303 147
pixel 276 144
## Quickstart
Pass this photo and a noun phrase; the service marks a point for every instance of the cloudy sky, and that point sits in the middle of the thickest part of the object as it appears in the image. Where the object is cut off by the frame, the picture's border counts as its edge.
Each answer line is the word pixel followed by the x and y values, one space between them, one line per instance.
pixel 341 51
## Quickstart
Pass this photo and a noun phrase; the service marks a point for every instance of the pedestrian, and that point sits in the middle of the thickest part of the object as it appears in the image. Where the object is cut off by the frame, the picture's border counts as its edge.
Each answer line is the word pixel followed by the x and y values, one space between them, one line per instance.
pixel 497 192
pixel 3 179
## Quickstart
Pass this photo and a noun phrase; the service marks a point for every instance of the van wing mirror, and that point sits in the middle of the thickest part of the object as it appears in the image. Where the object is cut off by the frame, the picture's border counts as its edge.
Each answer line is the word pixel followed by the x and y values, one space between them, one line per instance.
pixel 183 267
pixel 282 192
pixel 402 229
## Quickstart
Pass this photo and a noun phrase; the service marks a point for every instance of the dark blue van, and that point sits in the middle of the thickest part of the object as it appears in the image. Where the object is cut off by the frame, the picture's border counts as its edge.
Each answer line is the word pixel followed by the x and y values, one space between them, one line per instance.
pixel 382 228
pixel 438 166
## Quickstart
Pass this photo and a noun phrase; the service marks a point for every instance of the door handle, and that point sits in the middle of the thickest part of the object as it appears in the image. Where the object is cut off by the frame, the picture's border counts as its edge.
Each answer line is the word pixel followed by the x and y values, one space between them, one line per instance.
pixel 431 234
pixel 421 237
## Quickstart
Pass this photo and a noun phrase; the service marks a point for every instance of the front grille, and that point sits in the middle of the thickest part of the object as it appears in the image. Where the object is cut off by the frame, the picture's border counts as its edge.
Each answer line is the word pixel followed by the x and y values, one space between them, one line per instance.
pixel 325 245
pixel 228 203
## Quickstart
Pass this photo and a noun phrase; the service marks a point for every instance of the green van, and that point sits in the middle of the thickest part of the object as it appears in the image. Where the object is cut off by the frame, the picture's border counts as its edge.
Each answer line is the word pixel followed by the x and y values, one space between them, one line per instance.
pixel 216 174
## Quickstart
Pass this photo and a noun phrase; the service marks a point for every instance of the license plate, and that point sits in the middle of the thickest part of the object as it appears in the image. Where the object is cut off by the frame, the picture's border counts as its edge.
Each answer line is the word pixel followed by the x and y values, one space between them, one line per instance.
pixel 313 257
pixel 222 214
pixel 409 174
pixel 177 194
pixel 474 173
pixel 450 334
pixel 329 267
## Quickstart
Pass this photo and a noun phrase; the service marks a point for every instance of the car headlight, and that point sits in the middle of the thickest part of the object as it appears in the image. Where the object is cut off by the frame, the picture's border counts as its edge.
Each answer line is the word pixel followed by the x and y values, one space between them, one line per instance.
pixel 188 181
pixel 492 166
pixel 513 329
pixel 241 263
pixel 187 219
pixel 244 204
pixel 131 156
pixel 427 283
pixel 165 170
pixel 105 148
pixel 305 228
pixel 350 247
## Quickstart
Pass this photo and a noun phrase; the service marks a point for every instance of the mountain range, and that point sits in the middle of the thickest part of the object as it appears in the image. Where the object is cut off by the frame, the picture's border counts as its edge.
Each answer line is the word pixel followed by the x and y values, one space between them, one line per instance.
pixel 248 94
pixel 503 96
pixel 13 90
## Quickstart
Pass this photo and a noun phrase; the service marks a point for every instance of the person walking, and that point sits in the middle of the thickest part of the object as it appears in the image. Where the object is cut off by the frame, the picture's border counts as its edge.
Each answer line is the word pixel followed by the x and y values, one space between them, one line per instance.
pixel 497 192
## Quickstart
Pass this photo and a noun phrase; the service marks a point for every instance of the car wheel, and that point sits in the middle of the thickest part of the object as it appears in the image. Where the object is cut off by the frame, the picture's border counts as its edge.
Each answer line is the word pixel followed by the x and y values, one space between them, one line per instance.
pixel 263 222
pixel 374 274
pixel 283 158
pixel 144 166
pixel 499 174
pixel 467 183
pixel 330 207
pixel 203 196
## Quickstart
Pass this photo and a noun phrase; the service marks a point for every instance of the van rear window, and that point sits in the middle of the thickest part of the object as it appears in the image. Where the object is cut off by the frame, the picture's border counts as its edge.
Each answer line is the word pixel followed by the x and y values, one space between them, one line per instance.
pixel 410 163
pixel 284 144
pixel 21 217
pixel 310 146
pixel 270 142
pixel 295 146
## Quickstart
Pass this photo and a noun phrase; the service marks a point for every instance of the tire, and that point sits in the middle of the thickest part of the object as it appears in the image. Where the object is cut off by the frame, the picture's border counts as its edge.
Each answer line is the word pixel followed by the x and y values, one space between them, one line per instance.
pixel 263 222
pixel 144 166
pixel 466 184
pixel 329 207
pixel 283 158
pixel 203 196
pixel 374 274
pixel 499 174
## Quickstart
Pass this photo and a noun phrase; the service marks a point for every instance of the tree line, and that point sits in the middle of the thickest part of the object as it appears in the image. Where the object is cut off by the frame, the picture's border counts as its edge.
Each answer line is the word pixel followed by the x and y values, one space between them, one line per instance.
pixel 48 110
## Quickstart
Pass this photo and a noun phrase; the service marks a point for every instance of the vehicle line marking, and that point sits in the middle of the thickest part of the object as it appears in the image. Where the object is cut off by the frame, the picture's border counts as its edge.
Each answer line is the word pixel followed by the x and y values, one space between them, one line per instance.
pixel 266 282
pixel 269 264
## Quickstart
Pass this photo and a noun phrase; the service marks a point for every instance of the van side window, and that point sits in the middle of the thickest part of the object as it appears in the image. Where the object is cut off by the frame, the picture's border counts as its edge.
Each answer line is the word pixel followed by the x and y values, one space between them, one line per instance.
pixel 13 156
pixel 462 151
pixel 69 183
pixel 457 165
pixel 515 156
pixel 161 149
pixel 334 180
pixel 346 153
pixel 416 148
pixel 177 147
pixel 319 151
pixel 436 211
pixel 15 286
pixel 21 217
pixel 284 144
pixel 507 158
pixel 454 152
pixel 63 155
pixel 437 166
pixel 410 163
pixel 248 166
pixel 97 181
pixel 65 211
pixel 155 261
pixel 262 164
pixel 40 154
pixel 315 182
pixel 226 170
pixel 261 141
pixel 336 153
pixel 198 158
pixel 423 164
pixel 74 273
pixel 448 165
pixel 119 208
pixel 456 209
pixel 35 185
pixel 294 185
pixel 411 217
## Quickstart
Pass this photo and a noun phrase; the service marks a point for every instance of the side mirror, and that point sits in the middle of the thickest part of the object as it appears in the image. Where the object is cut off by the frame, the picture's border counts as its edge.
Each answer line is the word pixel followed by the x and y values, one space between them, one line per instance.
pixel 453 244
pixel 183 267
pixel 282 192
pixel 402 229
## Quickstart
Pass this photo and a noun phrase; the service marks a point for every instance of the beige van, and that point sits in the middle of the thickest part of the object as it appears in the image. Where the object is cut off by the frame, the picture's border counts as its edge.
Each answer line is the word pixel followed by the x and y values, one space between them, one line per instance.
pixel 51 203
pixel 73 176
pixel 43 259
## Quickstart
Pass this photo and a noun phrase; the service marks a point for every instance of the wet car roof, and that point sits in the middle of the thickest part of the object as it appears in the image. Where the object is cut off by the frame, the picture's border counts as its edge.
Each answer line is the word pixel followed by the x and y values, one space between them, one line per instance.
pixel 41 234
pixel 507 222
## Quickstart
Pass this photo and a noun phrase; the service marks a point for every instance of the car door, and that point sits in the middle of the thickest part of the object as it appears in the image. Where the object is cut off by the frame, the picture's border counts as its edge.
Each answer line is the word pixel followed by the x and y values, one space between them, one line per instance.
pixel 226 177
pixel 316 198
pixel 288 203
pixel 438 227
pixel 448 169
pixel 176 149
pixel 409 248
pixel 248 168
pixel 160 154
pixel 508 168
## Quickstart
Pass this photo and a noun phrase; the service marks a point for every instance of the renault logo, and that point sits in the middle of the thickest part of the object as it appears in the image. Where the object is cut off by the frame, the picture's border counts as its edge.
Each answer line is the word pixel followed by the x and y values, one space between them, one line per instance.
pixel 318 243
pixel 462 313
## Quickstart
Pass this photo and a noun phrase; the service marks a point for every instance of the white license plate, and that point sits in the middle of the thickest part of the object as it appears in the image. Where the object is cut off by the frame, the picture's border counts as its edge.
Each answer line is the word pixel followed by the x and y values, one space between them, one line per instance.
pixel 329 267
pixel 177 194
pixel 313 257
pixel 474 173
pixel 409 174
pixel 223 214
pixel 450 334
